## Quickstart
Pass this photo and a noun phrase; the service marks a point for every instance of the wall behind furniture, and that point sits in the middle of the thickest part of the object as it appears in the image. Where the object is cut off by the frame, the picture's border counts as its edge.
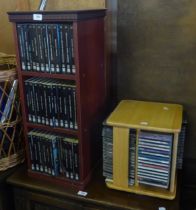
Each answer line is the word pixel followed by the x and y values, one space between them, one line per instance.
pixel 74 4
pixel 111 46
pixel 6 36
pixel 157 55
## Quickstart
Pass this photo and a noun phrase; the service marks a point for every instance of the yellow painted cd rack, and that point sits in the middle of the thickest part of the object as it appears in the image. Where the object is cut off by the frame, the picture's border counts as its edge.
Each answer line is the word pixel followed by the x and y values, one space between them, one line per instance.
pixel 142 116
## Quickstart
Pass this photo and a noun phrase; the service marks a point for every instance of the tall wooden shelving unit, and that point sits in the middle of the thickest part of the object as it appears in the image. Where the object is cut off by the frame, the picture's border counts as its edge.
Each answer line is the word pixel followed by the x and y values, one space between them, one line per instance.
pixel 90 80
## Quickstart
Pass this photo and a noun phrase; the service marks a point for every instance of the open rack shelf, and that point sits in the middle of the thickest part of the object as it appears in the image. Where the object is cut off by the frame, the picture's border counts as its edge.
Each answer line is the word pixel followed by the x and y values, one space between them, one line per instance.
pixel 142 139
pixel 74 38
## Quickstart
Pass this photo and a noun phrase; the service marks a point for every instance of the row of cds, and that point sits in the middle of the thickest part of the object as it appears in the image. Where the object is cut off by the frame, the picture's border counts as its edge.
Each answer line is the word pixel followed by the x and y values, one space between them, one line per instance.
pixel 108 154
pixel 51 102
pixel 53 155
pixel 154 156
pixel 181 141
pixel 46 48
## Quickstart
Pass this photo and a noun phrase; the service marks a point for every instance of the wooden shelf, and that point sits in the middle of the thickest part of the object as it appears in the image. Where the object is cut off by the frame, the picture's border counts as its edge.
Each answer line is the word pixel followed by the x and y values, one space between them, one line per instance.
pixel 90 80
pixel 57 16
pixel 48 75
pixel 146 190
pixel 53 129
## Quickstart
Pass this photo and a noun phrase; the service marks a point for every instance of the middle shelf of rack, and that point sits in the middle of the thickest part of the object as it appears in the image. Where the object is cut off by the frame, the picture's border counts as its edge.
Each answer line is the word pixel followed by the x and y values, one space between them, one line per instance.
pixel 71 77
pixel 52 129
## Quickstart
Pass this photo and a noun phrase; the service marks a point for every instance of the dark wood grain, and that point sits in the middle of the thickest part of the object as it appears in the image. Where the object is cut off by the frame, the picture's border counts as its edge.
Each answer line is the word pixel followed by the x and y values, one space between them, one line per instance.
pixel 99 196
pixel 91 86
pixel 57 16
pixel 5 190
pixel 53 129
pixel 26 74
pixel 111 49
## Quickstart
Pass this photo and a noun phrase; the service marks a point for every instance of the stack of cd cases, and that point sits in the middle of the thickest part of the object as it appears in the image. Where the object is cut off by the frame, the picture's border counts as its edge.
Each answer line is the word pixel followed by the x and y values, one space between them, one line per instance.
pixel 181 142
pixel 107 135
pixel 154 158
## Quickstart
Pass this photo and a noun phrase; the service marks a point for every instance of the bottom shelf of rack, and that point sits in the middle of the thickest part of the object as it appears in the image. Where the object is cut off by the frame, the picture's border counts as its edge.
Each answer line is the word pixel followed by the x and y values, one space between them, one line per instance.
pixel 62 181
pixel 146 190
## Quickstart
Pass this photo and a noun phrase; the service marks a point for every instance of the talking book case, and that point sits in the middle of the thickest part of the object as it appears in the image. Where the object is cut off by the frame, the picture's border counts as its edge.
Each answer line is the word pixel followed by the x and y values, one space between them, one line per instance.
pixel 140 148
pixel 62 81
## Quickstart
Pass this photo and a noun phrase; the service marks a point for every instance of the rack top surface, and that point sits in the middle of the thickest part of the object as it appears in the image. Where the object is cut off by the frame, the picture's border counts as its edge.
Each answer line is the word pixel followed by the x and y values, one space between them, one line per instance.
pixel 56 16
pixel 152 116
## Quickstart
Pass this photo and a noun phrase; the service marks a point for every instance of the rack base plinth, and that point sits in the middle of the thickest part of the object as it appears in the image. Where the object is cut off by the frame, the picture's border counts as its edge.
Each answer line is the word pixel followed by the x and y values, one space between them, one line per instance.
pixel 61 181
pixel 146 190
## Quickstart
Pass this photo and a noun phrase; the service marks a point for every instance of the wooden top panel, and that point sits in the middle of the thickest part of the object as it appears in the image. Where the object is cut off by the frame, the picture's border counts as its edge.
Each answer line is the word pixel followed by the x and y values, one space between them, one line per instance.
pixel 147 115
pixel 56 16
